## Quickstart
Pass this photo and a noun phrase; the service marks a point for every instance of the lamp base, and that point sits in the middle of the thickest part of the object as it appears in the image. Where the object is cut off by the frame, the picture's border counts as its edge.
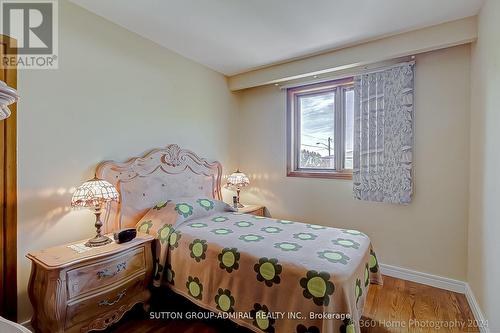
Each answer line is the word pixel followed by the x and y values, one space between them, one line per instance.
pixel 238 198
pixel 98 241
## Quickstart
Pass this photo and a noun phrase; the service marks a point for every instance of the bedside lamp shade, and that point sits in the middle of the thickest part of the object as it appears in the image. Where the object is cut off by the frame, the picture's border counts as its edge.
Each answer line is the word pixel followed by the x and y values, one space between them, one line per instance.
pixel 93 194
pixel 238 179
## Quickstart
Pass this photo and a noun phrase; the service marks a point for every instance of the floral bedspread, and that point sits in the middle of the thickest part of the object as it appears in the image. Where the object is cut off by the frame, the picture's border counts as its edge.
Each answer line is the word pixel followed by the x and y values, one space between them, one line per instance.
pixel 266 274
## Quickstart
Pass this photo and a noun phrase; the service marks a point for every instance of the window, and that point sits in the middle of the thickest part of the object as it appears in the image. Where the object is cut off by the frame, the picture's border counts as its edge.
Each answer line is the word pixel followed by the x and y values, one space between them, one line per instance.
pixel 320 120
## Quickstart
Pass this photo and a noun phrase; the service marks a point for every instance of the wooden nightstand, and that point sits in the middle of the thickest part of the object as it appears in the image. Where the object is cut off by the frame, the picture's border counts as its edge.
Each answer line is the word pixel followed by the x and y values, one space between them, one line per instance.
pixel 79 292
pixel 253 210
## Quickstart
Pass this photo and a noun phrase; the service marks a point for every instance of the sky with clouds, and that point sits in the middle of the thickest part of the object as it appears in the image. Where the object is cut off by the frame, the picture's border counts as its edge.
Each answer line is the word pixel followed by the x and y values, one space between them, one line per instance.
pixel 317 121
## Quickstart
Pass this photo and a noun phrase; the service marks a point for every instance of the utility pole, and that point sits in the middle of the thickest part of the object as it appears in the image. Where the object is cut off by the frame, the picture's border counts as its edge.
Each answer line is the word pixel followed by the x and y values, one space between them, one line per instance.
pixel 328 146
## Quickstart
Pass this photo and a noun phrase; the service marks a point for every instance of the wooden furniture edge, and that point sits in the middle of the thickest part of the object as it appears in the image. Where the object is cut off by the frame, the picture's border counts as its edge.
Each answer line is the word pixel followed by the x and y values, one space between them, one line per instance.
pixel 9 249
pixel 88 256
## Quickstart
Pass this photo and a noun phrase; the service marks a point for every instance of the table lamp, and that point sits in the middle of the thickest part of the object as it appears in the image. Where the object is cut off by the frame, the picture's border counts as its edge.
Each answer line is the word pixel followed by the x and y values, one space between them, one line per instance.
pixel 93 194
pixel 238 180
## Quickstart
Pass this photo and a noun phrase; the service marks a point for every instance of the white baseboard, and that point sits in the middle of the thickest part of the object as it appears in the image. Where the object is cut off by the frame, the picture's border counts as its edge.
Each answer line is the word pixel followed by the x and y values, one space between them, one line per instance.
pixel 439 282
pixel 476 310
pixel 424 278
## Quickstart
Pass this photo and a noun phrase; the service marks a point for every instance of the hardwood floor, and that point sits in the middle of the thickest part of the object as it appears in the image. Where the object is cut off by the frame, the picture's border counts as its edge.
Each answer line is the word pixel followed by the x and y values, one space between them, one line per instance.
pixel 417 307
pixel 396 307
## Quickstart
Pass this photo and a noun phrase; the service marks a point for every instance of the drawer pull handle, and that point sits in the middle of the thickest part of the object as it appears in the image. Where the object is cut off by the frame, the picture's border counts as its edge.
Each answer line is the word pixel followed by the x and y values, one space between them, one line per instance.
pixel 118 298
pixel 106 273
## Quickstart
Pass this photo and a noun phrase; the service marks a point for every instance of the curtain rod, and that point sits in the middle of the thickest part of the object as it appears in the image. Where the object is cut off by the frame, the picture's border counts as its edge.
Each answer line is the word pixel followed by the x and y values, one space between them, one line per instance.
pixel 383 68
pixel 353 71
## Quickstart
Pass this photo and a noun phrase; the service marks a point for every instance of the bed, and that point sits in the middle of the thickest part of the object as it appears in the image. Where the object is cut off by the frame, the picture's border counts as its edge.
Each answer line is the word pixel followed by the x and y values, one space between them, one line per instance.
pixel 268 275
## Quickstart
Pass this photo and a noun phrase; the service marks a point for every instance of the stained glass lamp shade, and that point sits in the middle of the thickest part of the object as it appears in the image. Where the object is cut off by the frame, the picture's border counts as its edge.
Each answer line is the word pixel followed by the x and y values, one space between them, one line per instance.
pixel 8 96
pixel 93 194
pixel 238 180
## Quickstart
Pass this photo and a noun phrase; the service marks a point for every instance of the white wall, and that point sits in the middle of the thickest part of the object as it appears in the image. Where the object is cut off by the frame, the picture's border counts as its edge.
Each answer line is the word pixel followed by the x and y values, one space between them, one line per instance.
pixel 484 225
pixel 430 234
pixel 115 94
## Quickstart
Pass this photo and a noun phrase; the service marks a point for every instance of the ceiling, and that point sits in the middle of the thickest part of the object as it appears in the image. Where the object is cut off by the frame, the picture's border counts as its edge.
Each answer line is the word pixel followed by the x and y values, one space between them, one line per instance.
pixel 235 36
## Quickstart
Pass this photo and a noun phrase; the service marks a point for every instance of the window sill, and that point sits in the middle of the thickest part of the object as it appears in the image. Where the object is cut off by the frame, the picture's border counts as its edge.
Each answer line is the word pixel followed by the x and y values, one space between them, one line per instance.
pixel 346 175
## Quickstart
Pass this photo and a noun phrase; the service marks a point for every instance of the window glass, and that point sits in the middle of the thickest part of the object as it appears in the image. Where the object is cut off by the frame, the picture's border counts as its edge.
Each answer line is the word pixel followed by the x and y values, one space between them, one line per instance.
pixel 320 120
pixel 317 123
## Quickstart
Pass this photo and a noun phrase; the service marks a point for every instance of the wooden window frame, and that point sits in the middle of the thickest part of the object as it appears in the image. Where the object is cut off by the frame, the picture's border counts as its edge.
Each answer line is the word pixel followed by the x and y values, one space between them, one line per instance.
pixel 293 129
pixel 8 193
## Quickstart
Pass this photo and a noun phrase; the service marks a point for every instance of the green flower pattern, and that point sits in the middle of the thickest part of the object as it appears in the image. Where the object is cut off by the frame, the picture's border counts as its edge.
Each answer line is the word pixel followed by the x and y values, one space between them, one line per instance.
pixel 220 219
pixel 318 287
pixel 373 263
pixel 184 209
pixel 198 225
pixel 349 243
pixel 251 238
pixel 353 232
pixel 358 291
pixel 170 275
pixel 145 226
pixel 305 236
pixel 268 271
pixel 158 269
pixel 272 230
pixel 243 224
pixel 222 231
pixel 206 204
pixel 164 233
pixel 287 246
pixel 334 256
pixel 198 249
pixel 262 319
pixel 161 205
pixel 367 275
pixel 224 300
pixel 347 326
pixel 315 227
pixel 194 287
pixel 284 222
pixel 173 240
pixel 228 259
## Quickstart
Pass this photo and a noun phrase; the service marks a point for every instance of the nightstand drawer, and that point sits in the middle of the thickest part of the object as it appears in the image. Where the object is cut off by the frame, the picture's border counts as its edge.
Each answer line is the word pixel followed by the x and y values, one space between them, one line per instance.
pixel 101 274
pixel 113 301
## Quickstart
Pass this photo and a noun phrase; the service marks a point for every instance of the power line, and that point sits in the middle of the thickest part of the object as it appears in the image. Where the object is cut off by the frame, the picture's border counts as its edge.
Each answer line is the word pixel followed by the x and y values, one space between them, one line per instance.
pixel 312 136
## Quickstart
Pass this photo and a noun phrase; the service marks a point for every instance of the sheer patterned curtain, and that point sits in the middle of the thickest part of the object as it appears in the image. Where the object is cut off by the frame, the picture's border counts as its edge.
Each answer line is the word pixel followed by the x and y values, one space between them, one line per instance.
pixel 383 135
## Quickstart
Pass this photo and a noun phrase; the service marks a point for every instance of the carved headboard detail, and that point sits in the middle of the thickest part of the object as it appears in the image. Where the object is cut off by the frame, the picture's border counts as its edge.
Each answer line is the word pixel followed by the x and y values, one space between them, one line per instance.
pixel 160 175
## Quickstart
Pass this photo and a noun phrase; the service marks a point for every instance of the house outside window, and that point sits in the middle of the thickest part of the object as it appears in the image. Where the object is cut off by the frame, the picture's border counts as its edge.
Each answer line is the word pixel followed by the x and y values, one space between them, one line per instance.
pixel 320 120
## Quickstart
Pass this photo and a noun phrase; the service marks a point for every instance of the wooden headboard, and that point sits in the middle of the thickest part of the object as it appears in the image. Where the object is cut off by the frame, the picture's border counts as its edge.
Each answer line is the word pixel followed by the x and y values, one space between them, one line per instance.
pixel 160 175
